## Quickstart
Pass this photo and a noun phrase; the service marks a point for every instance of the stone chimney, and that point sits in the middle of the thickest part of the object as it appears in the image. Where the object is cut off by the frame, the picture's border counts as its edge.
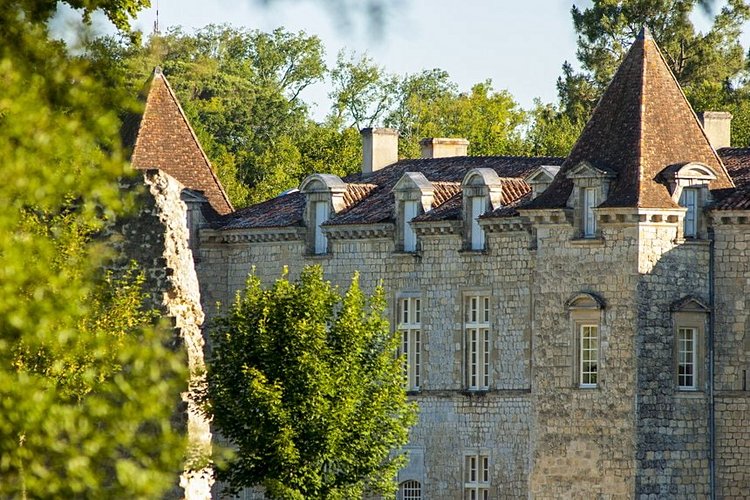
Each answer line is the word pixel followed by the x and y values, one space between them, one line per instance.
pixel 718 127
pixel 379 148
pixel 441 147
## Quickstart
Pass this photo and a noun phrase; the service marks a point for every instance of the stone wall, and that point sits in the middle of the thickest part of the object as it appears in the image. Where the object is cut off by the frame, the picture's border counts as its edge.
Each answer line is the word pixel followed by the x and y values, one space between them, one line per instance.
pixel 452 421
pixel 583 438
pixel 672 447
pixel 732 358
pixel 157 239
pixel 633 435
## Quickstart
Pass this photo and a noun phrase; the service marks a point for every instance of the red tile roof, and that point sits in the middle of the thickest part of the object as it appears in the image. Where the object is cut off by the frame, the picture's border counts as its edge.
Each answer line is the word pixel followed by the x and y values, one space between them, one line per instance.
pixel 163 139
pixel 642 125
pixel 369 199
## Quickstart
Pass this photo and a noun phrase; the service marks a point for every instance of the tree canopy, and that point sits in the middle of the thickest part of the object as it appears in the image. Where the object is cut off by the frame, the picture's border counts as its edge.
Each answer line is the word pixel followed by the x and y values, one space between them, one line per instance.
pixel 86 383
pixel 306 385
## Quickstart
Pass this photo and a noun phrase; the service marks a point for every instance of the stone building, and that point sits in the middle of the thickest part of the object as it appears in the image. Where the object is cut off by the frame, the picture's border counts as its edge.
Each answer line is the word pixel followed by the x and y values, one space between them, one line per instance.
pixel 573 327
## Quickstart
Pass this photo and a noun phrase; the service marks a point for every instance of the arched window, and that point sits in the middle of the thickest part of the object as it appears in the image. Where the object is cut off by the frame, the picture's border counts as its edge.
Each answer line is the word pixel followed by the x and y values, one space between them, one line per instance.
pixel 585 315
pixel 410 490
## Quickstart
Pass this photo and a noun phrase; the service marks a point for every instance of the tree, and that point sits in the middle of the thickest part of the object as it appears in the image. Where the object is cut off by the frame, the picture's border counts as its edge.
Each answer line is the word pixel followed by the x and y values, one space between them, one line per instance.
pixel 607 28
pixel 86 384
pixel 305 385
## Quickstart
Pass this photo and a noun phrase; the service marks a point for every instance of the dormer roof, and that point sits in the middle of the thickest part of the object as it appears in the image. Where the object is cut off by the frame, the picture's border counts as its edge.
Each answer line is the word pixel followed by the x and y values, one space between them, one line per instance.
pixel 642 124
pixel 162 138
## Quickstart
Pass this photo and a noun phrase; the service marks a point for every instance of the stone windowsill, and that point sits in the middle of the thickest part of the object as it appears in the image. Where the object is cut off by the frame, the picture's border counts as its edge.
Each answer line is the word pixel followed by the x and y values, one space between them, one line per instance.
pixel 406 255
pixel 588 242
pixel 693 242
pixel 470 252
pixel 687 394
pixel 318 256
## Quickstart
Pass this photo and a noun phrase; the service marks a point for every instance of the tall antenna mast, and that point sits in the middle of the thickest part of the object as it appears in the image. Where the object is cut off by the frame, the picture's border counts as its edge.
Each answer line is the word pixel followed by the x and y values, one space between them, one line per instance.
pixel 156 21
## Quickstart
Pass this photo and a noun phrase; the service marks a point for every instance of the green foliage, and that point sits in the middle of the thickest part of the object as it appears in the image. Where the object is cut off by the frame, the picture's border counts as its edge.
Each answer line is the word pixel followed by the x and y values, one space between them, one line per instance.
pixel 607 28
pixel 86 386
pixel 304 383
pixel 552 132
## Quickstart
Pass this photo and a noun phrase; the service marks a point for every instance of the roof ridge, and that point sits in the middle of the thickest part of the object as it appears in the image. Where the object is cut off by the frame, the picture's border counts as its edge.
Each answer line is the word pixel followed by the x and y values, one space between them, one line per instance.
pixel 160 74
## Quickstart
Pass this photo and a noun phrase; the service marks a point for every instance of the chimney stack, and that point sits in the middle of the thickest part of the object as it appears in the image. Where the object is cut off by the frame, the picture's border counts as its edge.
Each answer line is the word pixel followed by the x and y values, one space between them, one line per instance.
pixel 441 147
pixel 379 148
pixel 718 127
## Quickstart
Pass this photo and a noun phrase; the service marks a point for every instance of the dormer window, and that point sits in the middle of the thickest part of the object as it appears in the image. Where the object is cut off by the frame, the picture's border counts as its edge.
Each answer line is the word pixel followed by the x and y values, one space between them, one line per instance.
pixel 590 189
pixel 324 195
pixel 541 178
pixel 413 195
pixel 689 185
pixel 482 193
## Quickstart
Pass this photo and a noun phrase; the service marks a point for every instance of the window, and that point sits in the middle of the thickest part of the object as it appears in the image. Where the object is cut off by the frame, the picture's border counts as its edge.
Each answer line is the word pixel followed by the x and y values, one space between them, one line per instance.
pixel 324 197
pixel 477 477
pixel 410 490
pixel 477 331
pixel 410 237
pixel 477 233
pixel 690 316
pixel 689 200
pixel 586 318
pixel 321 215
pixel 588 355
pixel 409 327
pixel 686 364
pixel 482 191
pixel 589 217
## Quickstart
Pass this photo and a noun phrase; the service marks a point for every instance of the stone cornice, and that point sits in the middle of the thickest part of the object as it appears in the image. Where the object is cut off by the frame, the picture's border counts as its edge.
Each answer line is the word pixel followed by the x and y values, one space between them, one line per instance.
pixel 503 224
pixel 432 228
pixel 548 216
pixel 640 215
pixel 358 231
pixel 253 235
pixel 730 217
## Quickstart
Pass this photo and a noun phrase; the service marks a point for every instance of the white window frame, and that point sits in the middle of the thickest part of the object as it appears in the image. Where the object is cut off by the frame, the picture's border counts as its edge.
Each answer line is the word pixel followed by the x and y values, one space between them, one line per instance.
pixel 411 210
pixel 687 360
pixel 478 342
pixel 689 199
pixel 320 243
pixel 589 217
pixel 478 207
pixel 409 322
pixel 477 476
pixel 588 355
pixel 410 490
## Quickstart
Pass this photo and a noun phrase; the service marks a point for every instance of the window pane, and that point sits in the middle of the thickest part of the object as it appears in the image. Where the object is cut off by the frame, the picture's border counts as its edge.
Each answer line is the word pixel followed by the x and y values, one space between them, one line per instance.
pixel 321 216
pixel 687 356
pixel 477 233
pixel 689 200
pixel 589 219
pixel 410 237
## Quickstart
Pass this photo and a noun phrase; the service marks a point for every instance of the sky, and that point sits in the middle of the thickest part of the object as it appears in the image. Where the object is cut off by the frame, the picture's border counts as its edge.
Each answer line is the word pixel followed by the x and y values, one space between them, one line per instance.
pixel 519 45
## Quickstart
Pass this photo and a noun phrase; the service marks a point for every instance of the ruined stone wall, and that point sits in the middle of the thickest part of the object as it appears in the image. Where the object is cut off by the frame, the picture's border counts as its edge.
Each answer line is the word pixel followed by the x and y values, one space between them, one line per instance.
pixel 732 358
pixel 157 239
pixel 583 438
pixel 452 422
pixel 672 425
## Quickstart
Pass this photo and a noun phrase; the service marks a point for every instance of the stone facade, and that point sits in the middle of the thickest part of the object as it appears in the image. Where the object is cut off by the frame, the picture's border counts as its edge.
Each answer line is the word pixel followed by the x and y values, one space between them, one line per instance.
pixel 587 338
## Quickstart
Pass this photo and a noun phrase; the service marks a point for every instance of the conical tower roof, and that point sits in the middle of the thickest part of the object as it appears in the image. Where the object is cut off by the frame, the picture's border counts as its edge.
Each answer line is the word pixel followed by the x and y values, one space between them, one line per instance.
pixel 642 125
pixel 163 139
